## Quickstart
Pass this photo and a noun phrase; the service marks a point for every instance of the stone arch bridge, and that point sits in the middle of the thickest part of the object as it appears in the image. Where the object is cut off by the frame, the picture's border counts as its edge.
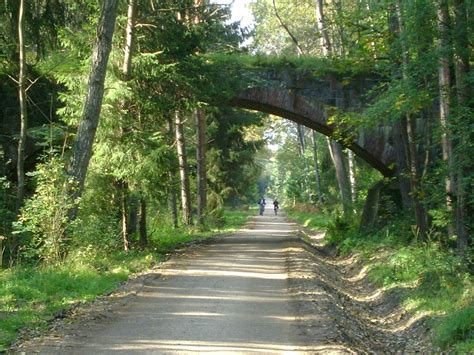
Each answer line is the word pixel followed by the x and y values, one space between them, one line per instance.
pixel 308 99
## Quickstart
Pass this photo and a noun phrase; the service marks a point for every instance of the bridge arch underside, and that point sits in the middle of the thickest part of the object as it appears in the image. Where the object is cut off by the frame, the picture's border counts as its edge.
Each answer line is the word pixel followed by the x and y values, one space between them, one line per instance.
pixel 374 146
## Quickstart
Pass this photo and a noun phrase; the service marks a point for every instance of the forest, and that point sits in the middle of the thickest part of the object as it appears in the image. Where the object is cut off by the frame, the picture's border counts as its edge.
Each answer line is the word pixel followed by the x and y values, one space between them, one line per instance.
pixel 120 143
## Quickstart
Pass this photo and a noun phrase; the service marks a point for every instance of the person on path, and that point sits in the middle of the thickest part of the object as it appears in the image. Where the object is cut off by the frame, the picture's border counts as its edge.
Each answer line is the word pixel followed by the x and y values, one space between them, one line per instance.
pixel 262 204
pixel 276 206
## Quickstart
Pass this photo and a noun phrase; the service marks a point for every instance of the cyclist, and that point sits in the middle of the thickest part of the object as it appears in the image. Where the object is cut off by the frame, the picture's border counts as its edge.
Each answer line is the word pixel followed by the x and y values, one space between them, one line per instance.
pixel 262 204
pixel 276 206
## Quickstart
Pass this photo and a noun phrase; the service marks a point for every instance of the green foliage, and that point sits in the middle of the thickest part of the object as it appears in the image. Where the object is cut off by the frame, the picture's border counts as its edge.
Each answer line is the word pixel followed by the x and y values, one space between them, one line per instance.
pixel 43 220
pixel 458 330
pixel 28 296
pixel 308 216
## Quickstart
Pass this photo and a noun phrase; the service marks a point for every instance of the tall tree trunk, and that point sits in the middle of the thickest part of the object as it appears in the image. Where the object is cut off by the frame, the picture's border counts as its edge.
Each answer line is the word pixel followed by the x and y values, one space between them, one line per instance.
pixel 143 225
pixel 172 198
pixel 408 131
pixel 444 81
pixel 400 140
pixel 461 65
pixel 172 202
pixel 316 168
pixel 300 129
pixel 341 29
pixel 285 27
pixel 23 113
pixel 129 39
pixel 326 48
pixel 132 206
pixel 183 170
pixel 82 148
pixel 123 212
pixel 126 76
pixel 201 163
pixel 341 173
pixel 352 175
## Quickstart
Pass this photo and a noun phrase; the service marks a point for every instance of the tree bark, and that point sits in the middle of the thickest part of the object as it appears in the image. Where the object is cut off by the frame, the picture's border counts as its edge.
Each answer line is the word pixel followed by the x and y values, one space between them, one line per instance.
pixel 82 148
pixel 183 170
pixel 123 212
pixel 282 23
pixel 341 173
pixel 201 164
pixel 408 132
pixel 129 39
pixel 444 81
pixel 316 168
pixel 300 129
pixel 172 202
pixel 461 65
pixel 126 76
pixel 23 110
pixel 143 225
pixel 326 48
pixel 352 175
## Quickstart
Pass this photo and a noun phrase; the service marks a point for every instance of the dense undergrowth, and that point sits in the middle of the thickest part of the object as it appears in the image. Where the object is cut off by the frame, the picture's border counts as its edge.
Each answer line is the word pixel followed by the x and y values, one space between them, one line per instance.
pixel 31 295
pixel 436 280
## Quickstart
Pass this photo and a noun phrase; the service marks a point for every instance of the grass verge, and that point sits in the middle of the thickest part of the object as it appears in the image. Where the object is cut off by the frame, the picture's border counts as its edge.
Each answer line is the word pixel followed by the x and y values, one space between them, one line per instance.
pixel 438 280
pixel 31 296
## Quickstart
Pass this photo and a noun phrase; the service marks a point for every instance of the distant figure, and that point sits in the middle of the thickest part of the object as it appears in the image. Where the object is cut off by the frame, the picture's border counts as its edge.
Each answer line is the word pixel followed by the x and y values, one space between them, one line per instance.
pixel 276 206
pixel 262 204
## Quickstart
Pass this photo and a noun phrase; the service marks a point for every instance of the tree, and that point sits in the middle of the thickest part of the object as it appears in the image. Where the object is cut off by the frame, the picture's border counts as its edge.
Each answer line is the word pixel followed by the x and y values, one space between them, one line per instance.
pixel 23 111
pixel 82 148
pixel 444 82
pixel 201 177
pixel 408 134
pixel 183 170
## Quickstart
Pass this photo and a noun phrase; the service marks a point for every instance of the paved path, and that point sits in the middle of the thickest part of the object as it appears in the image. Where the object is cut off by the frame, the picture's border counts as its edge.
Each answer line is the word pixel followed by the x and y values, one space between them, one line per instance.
pixel 230 297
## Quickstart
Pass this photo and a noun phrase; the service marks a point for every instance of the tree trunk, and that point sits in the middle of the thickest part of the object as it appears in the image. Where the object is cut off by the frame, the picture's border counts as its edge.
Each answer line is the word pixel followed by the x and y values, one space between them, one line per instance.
pixel 132 206
pixel 201 163
pixel 408 132
pixel 129 37
pixel 316 168
pixel 341 174
pixel 285 27
pixel 23 111
pixel 143 226
pixel 82 148
pixel 444 80
pixel 371 206
pixel 400 141
pixel 123 212
pixel 172 201
pixel 183 170
pixel 300 129
pixel 402 165
pixel 352 175
pixel 127 73
pixel 461 65
pixel 326 48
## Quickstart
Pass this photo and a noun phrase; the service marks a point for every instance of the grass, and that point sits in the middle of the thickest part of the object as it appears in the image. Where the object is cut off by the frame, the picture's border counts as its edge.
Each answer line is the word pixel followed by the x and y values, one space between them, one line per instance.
pixel 441 283
pixel 315 219
pixel 31 296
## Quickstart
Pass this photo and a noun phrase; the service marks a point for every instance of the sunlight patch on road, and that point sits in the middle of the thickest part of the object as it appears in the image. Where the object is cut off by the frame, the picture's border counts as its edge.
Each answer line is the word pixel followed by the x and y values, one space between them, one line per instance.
pixel 263 299
pixel 227 347
pixel 266 231
pixel 196 314
pixel 362 274
pixel 204 272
